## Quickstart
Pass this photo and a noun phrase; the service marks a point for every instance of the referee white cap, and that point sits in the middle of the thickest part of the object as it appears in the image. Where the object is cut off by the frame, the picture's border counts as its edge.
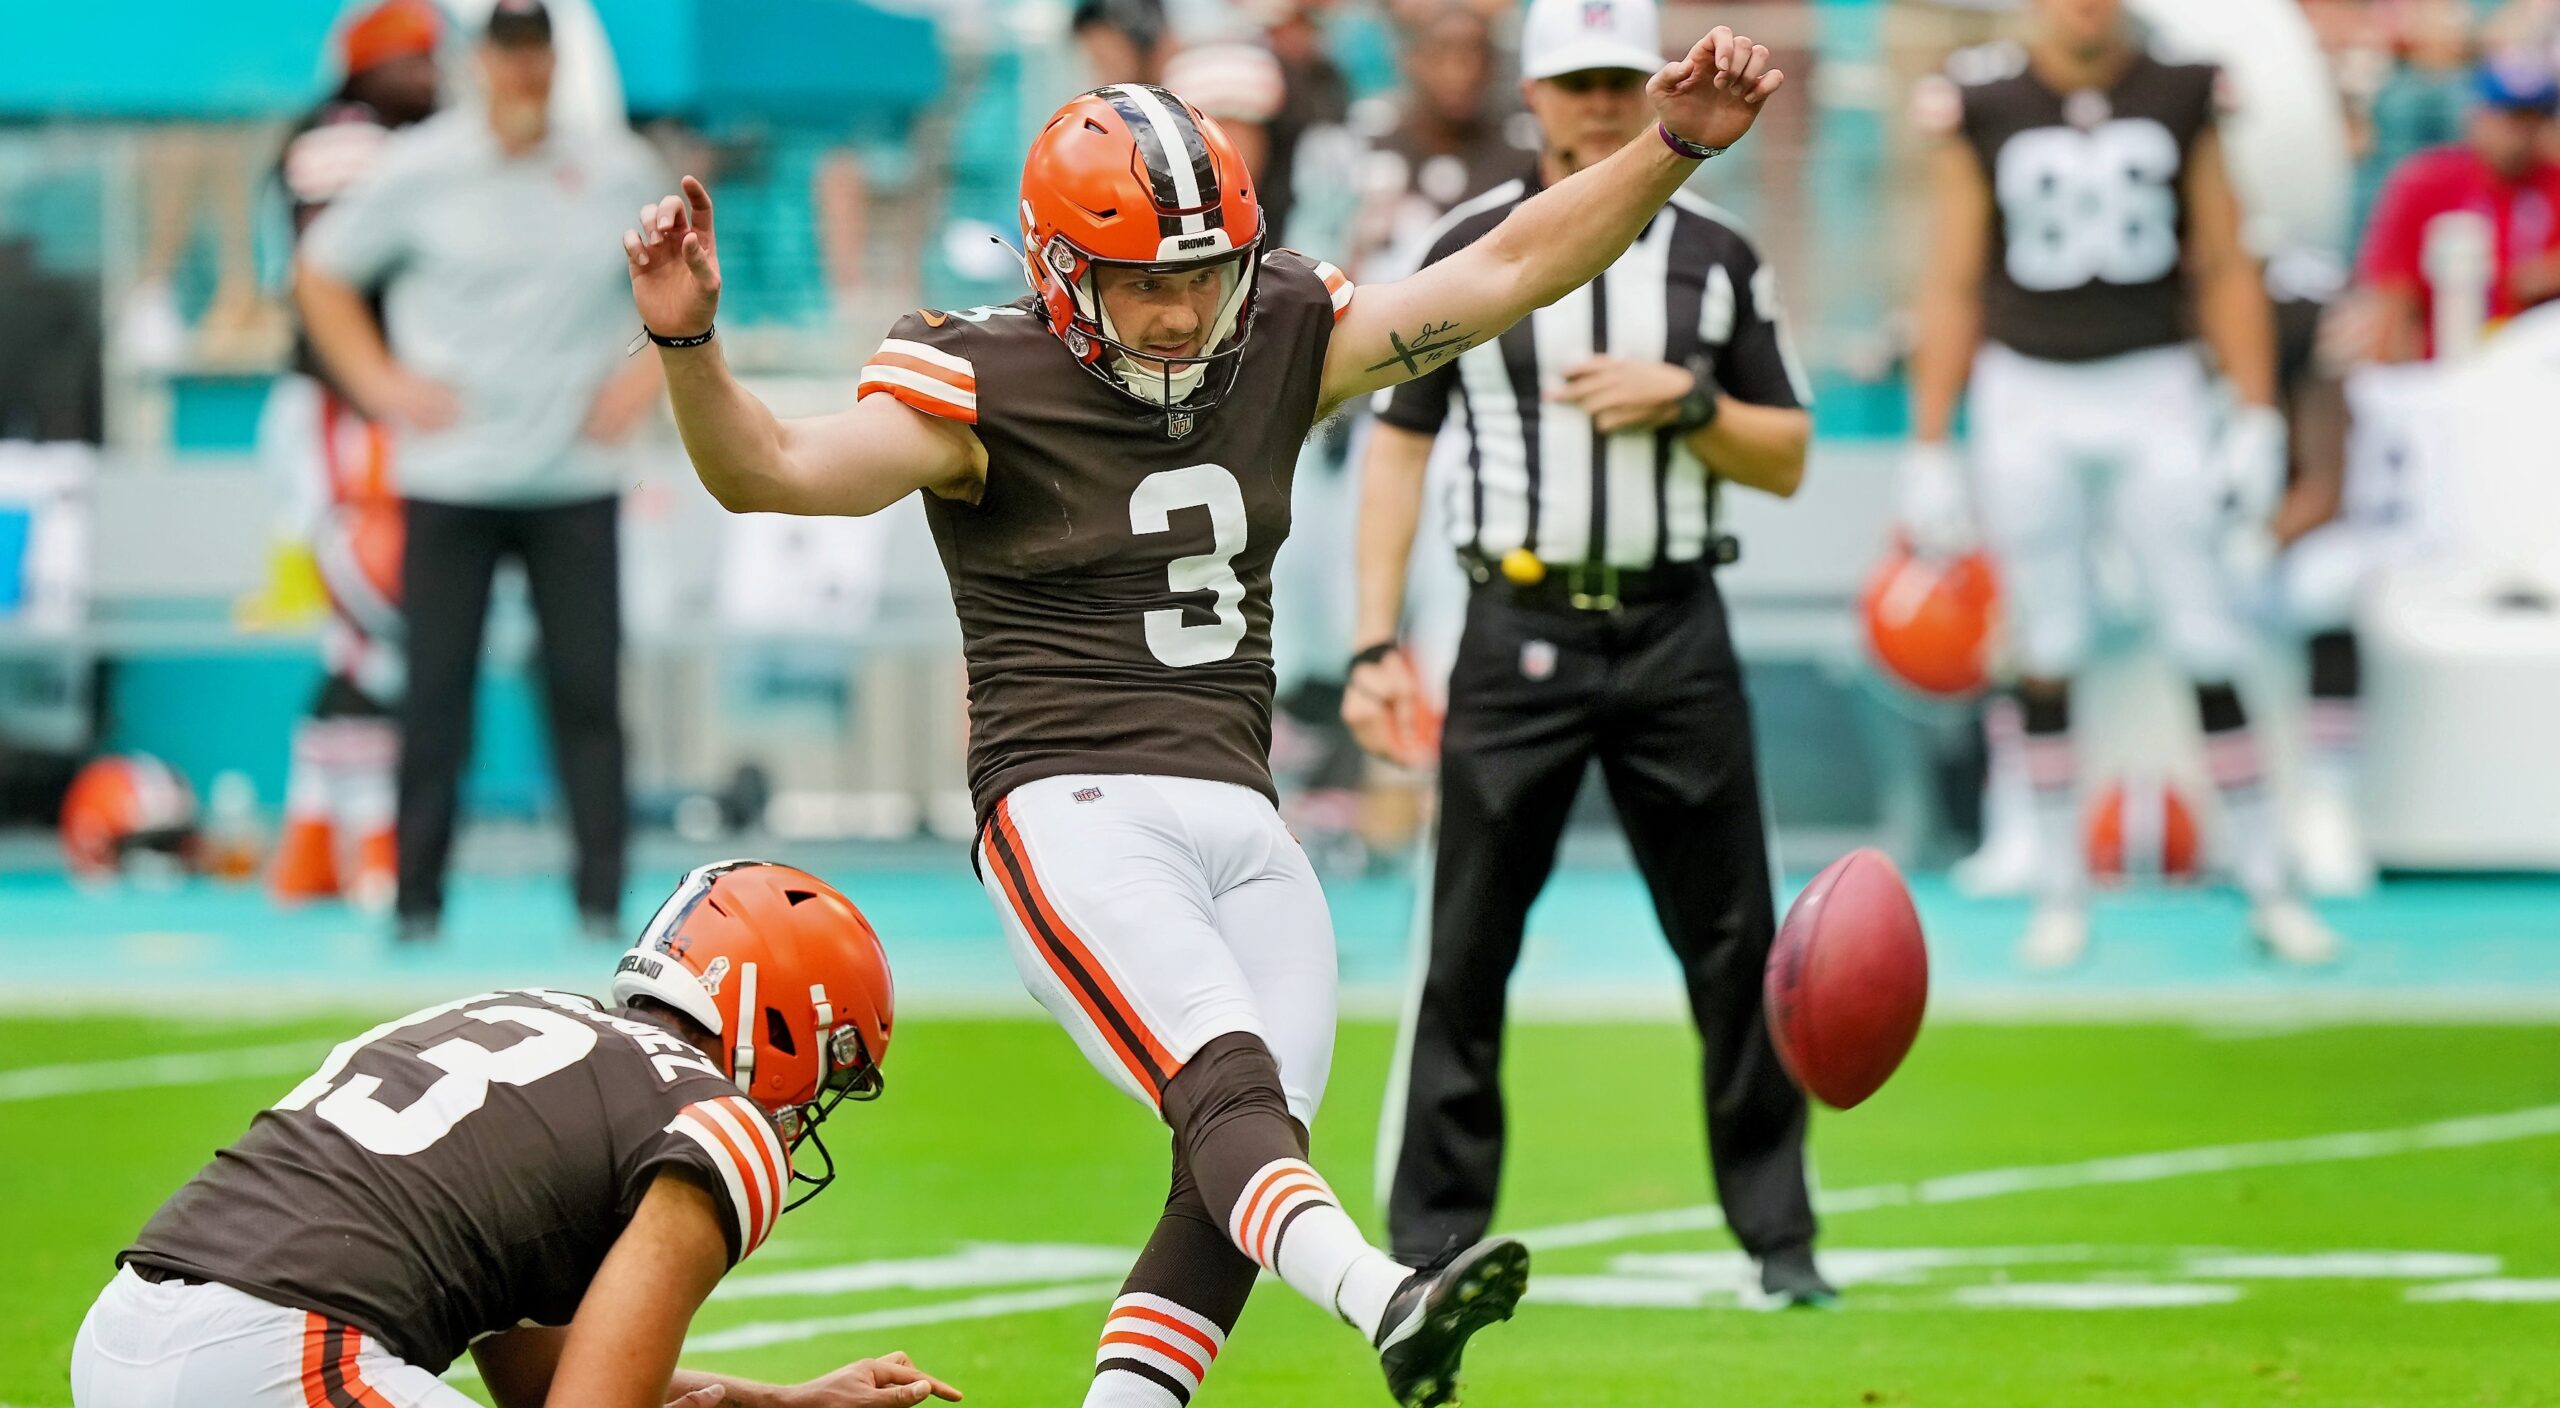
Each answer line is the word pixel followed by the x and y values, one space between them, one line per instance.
pixel 1569 36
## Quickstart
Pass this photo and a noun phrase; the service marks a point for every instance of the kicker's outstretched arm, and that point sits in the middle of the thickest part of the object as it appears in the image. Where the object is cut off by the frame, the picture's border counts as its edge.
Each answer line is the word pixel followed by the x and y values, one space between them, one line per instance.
pixel 1558 240
pixel 857 461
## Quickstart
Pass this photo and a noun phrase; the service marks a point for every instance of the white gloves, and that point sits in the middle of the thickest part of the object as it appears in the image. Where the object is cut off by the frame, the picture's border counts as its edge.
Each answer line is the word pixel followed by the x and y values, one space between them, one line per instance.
pixel 1936 507
pixel 2251 461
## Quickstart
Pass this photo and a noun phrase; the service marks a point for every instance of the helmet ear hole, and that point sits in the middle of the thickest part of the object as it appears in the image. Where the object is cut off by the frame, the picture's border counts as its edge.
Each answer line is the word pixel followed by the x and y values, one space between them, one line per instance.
pixel 777 1032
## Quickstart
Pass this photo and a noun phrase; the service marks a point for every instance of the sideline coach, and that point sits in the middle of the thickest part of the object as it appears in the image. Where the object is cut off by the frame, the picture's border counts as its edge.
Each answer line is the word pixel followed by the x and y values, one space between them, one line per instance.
pixel 495 237
pixel 1601 431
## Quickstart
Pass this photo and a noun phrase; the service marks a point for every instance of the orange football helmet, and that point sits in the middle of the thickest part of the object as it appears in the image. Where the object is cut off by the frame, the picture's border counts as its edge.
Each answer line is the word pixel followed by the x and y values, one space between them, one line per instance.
pixel 1931 625
pixel 118 808
pixel 781 967
pixel 1132 177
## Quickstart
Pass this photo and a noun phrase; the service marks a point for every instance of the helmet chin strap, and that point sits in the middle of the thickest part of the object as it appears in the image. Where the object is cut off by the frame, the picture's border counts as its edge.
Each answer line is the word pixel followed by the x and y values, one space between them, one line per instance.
pixel 743 1053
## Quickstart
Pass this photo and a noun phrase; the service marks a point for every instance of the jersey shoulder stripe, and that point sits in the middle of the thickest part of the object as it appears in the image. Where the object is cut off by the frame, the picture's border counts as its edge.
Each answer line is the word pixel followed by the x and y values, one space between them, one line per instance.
pixel 753 1169
pixel 1337 286
pixel 928 379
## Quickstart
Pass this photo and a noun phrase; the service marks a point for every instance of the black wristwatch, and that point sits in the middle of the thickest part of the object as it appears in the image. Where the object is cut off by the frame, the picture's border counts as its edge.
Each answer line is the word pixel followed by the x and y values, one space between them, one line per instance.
pixel 1697 409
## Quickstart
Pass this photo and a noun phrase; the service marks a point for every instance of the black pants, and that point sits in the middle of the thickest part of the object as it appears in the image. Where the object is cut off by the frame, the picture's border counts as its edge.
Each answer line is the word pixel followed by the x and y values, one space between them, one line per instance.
pixel 572 561
pixel 1655 692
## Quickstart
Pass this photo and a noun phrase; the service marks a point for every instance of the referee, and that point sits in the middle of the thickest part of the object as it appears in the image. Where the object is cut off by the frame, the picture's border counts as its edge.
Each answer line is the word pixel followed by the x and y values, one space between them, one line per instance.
pixel 1601 431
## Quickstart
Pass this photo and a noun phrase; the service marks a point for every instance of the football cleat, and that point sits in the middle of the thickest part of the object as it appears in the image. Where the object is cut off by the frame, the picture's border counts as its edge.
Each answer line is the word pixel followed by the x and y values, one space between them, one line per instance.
pixel 2057 935
pixel 1430 1317
pixel 2287 929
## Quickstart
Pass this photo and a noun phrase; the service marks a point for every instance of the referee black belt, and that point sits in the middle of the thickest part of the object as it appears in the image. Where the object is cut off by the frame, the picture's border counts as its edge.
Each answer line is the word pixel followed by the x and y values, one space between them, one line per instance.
pixel 1588 586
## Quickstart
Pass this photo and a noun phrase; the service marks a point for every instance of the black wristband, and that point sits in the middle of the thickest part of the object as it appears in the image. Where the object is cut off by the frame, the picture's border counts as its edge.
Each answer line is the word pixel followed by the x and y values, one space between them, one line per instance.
pixel 694 341
pixel 1372 654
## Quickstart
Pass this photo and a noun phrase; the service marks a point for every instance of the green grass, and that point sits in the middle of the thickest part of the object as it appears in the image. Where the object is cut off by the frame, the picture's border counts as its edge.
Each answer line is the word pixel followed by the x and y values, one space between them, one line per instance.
pixel 995 1132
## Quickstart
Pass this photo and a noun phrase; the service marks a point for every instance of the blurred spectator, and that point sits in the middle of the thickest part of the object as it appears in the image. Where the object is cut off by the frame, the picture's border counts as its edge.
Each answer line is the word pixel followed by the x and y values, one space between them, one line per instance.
pixel 1238 84
pixel 1444 141
pixel 188 171
pixel 495 233
pixel 2502 175
pixel 336 465
pixel 1312 125
pixel 1122 41
pixel 2421 101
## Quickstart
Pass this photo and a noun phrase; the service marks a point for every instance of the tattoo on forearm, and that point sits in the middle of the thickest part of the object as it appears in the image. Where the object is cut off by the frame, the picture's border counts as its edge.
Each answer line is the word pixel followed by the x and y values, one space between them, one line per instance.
pixel 1436 343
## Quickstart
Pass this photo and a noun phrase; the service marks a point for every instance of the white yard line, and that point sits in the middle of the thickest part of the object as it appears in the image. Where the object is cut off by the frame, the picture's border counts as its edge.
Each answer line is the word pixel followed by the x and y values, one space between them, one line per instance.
pixel 146 1072
pixel 762 1333
pixel 2467 1132
pixel 2464 1133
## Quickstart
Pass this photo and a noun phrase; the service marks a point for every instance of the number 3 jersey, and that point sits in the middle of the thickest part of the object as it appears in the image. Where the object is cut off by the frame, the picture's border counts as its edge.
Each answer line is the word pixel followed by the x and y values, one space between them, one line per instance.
pixel 2089 220
pixel 464 1170
pixel 1114 579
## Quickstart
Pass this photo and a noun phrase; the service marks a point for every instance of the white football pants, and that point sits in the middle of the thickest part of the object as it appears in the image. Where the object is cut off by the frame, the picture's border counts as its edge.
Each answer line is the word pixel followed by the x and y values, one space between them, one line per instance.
pixel 2062 449
pixel 193 1346
pixel 1151 915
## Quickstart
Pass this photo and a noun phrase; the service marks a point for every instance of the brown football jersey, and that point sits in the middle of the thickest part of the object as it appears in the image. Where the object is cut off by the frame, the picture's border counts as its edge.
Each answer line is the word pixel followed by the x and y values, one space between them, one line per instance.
pixel 2088 190
pixel 1114 579
pixel 464 1170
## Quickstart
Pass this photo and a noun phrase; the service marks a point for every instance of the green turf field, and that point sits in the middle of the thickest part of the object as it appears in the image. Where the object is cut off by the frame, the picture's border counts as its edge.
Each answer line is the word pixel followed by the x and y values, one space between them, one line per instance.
pixel 1985 1188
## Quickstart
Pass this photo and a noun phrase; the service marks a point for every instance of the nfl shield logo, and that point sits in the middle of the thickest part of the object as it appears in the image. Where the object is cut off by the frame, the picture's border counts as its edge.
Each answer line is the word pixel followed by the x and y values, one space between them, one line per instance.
pixel 1538 661
pixel 1599 14
pixel 1088 794
pixel 1179 424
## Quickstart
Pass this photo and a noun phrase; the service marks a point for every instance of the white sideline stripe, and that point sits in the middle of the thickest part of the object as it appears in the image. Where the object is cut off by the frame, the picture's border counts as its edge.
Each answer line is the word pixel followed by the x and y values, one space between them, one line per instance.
pixel 2467 1132
pixel 146 1072
pixel 758 1335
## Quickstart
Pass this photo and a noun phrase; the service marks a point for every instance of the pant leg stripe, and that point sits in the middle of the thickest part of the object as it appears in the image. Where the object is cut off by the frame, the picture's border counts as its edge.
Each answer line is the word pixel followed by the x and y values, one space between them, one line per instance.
pixel 358 1392
pixel 1014 878
pixel 1160 1065
pixel 315 1360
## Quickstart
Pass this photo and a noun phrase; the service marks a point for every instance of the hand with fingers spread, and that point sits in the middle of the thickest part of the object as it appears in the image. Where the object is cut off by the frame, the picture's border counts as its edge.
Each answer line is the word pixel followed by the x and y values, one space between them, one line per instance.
pixel 1712 95
pixel 1621 393
pixel 890 1381
pixel 675 263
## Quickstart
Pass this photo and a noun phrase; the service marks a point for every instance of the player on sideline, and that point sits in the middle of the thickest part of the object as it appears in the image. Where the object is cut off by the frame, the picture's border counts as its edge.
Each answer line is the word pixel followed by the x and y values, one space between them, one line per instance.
pixel 1106 467
pixel 2084 223
pixel 550 1184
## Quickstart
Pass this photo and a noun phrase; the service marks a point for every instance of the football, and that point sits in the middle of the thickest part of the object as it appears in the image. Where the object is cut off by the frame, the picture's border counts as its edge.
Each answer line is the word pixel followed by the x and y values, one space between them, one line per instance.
pixel 1848 979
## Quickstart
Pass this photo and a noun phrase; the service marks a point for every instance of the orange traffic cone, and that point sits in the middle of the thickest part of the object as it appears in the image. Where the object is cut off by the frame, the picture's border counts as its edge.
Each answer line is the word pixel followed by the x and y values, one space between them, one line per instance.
pixel 306 865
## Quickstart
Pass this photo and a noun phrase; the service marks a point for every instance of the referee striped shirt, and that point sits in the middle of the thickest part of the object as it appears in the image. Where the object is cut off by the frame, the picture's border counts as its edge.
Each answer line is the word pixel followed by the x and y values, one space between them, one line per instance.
pixel 1690 291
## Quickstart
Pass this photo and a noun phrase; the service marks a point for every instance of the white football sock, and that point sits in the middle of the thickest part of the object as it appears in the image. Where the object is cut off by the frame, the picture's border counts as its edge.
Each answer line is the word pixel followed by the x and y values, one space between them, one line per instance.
pixel 2251 832
pixel 1290 1222
pixel 2063 869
